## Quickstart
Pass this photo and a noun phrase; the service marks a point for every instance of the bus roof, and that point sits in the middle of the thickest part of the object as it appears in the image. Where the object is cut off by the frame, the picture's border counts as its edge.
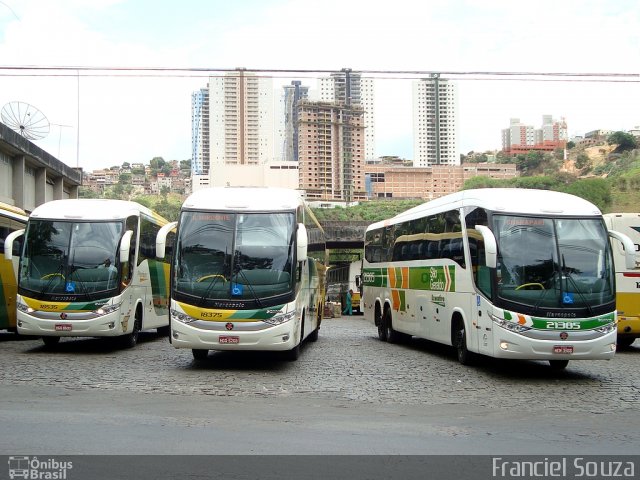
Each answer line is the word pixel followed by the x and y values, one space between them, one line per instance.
pixel 12 212
pixel 92 209
pixel 244 198
pixel 503 200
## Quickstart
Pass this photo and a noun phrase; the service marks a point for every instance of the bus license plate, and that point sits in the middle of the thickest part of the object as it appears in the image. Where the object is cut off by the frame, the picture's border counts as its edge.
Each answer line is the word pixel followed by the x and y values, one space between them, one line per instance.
pixel 63 327
pixel 228 339
pixel 563 349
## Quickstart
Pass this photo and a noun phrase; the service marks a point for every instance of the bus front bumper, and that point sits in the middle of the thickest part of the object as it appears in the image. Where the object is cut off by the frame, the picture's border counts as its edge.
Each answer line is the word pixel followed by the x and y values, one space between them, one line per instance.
pixel 276 338
pixel 74 325
pixel 515 346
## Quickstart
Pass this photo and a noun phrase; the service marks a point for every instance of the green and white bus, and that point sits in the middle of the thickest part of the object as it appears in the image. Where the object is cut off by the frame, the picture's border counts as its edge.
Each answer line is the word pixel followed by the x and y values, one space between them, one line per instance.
pixel 88 268
pixel 12 223
pixel 248 272
pixel 507 273
pixel 627 279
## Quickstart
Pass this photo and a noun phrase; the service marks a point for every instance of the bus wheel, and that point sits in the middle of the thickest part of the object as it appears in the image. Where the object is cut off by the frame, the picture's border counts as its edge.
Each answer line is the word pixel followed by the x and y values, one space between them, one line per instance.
pixel 465 357
pixel 625 342
pixel 200 354
pixel 382 328
pixel 293 354
pixel 164 331
pixel 131 339
pixel 50 342
pixel 558 364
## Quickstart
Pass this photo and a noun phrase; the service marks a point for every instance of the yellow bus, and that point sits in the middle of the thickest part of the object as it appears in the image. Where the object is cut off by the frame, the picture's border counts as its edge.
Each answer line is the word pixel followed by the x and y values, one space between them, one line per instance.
pixel 12 220
pixel 627 279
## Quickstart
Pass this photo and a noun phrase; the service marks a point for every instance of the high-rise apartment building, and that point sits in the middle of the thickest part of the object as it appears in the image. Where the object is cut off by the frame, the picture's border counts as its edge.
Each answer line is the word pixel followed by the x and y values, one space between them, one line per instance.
pixel 240 119
pixel 349 88
pixel 200 132
pixel 435 122
pixel 331 151
pixel 288 116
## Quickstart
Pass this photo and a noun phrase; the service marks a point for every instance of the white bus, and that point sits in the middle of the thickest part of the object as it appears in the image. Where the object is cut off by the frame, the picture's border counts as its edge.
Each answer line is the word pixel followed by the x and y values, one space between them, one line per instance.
pixel 88 269
pixel 627 280
pixel 507 273
pixel 12 223
pixel 248 272
pixel 344 277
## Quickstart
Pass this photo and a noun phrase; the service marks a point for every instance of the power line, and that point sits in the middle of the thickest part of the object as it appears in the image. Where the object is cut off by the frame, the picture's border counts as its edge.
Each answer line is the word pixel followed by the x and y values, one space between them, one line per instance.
pixel 196 72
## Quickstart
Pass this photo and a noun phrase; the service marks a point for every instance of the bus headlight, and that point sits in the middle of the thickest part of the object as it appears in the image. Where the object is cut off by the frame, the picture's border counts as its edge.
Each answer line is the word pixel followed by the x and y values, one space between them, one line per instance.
pixel 181 317
pixel 280 318
pixel 24 308
pixel 507 325
pixel 106 309
pixel 606 328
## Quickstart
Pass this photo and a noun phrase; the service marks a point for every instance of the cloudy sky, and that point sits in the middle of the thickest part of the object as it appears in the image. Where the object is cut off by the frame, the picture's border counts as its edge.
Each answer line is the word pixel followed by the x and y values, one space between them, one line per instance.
pixel 104 118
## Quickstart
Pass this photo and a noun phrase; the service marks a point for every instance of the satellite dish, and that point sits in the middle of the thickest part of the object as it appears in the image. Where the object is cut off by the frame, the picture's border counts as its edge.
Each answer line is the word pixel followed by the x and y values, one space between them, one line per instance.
pixel 25 119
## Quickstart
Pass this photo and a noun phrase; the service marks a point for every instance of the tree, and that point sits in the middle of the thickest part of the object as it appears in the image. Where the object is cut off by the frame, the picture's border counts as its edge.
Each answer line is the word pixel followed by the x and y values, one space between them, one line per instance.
pixel 624 141
pixel 157 163
pixel 583 161
pixel 571 144
pixel 595 190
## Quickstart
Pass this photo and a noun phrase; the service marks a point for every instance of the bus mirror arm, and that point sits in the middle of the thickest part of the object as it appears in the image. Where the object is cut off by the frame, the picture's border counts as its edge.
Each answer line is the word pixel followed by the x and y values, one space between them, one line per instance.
pixel 125 245
pixel 490 246
pixel 8 243
pixel 161 239
pixel 627 244
pixel 302 242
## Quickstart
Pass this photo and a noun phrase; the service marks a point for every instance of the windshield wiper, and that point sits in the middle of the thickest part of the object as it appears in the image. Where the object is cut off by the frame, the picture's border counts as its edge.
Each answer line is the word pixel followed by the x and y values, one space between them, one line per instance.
pixel 237 268
pixel 567 275
pixel 53 275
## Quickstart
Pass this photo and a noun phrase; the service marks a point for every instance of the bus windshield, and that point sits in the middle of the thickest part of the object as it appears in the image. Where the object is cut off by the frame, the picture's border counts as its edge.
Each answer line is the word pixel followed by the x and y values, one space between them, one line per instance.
pixel 71 258
pixel 553 263
pixel 234 256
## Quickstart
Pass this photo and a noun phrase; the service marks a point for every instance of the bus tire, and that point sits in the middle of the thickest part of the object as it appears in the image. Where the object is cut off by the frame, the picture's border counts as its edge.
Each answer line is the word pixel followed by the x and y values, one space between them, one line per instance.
pixel 164 331
pixel 313 336
pixel 625 342
pixel 130 340
pixel 558 364
pixel 293 354
pixel 382 329
pixel 465 357
pixel 200 353
pixel 50 342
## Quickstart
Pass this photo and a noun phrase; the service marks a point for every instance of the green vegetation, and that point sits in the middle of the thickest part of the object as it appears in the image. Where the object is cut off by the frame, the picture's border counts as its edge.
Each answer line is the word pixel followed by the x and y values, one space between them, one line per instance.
pixel 612 184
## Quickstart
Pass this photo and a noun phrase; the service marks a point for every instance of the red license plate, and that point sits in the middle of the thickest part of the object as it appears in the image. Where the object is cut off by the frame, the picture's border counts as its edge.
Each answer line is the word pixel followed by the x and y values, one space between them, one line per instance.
pixel 63 327
pixel 228 339
pixel 563 349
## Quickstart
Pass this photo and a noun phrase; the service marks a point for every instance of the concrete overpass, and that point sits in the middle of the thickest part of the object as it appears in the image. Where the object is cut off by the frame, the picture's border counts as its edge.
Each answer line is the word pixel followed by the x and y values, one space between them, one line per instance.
pixel 343 235
pixel 29 176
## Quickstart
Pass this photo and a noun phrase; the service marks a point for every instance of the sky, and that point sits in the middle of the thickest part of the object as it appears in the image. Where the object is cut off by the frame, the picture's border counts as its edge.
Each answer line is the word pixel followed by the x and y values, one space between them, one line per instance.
pixel 102 118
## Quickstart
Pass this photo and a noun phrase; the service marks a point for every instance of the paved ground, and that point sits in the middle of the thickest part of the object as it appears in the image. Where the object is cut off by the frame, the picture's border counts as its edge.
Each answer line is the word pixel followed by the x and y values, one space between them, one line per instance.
pixel 348 393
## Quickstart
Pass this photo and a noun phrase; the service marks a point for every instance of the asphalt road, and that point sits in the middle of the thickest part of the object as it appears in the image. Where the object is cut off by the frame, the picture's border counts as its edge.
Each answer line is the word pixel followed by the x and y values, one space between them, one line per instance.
pixel 348 393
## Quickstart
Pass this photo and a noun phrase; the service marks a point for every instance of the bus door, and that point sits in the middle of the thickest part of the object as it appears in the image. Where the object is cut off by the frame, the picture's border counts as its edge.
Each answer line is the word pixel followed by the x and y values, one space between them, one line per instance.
pixel 481 333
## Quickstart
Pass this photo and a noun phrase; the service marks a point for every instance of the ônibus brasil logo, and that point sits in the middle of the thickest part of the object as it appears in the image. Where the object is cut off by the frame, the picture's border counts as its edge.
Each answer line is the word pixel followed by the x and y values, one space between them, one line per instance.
pixel 35 469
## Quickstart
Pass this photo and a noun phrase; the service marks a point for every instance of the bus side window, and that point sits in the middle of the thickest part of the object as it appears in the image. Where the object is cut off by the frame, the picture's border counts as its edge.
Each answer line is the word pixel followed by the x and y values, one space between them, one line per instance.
pixel 481 273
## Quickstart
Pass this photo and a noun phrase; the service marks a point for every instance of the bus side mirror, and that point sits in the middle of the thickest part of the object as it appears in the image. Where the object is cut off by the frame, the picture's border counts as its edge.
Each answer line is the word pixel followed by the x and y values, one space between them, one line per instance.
pixel 358 281
pixel 125 245
pixel 161 239
pixel 302 242
pixel 490 246
pixel 627 244
pixel 8 243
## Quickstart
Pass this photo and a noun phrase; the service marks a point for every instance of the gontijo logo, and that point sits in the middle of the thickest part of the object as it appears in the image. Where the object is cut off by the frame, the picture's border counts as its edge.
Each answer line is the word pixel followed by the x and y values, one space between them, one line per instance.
pixel 33 468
